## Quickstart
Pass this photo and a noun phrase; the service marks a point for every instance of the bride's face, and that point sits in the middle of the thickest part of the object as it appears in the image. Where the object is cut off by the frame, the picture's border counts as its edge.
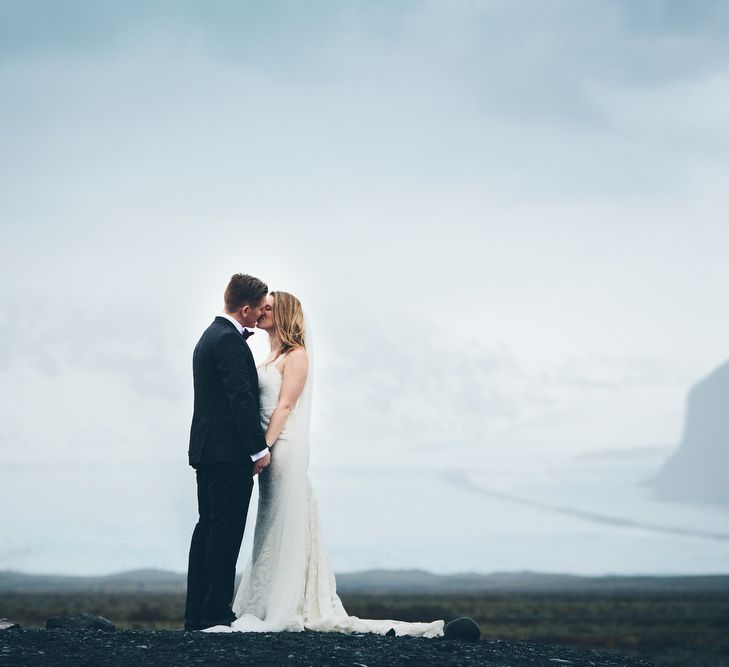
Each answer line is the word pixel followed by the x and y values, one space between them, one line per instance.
pixel 265 321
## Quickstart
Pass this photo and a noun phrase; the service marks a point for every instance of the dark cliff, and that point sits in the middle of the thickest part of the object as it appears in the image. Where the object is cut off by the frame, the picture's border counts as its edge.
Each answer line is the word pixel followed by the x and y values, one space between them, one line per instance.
pixel 699 469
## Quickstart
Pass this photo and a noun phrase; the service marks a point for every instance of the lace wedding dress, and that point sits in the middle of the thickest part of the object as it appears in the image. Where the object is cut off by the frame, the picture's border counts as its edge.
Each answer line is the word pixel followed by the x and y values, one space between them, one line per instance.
pixel 289 583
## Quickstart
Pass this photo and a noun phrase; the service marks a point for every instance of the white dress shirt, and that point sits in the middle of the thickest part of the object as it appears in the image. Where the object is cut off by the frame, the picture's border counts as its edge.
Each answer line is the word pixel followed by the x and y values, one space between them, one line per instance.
pixel 239 327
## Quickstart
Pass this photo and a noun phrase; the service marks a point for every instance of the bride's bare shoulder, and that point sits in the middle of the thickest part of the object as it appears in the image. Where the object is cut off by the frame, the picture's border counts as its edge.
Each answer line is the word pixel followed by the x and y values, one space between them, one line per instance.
pixel 296 358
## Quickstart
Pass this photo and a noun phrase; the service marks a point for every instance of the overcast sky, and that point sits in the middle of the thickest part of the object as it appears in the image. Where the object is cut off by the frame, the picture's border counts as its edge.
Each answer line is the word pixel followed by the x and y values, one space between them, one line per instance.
pixel 507 220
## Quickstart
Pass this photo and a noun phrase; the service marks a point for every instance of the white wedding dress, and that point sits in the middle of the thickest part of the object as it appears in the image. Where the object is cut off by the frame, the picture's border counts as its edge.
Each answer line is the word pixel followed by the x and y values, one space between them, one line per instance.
pixel 289 583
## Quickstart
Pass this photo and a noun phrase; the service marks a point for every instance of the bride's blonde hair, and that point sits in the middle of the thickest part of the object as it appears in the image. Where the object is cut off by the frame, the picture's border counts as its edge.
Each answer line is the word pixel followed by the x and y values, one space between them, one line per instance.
pixel 288 321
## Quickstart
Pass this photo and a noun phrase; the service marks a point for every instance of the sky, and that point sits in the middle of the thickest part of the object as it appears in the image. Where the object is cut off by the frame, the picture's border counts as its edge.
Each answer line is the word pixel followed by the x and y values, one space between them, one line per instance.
pixel 506 221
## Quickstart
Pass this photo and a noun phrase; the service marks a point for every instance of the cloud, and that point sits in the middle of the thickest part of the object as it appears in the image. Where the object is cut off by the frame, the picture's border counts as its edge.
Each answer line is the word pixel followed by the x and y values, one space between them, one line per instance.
pixel 519 175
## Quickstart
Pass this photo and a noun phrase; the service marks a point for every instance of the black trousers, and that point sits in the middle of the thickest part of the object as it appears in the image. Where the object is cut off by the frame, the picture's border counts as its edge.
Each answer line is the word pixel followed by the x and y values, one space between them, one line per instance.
pixel 223 496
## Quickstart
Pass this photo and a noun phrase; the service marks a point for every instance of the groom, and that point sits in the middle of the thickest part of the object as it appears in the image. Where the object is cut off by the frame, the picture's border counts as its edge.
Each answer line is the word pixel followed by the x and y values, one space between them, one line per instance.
pixel 227 449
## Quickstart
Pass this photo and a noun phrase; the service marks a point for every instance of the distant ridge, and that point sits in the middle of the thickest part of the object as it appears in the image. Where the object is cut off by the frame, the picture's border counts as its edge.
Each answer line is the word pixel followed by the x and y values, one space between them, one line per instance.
pixel 135 580
pixel 383 582
pixel 418 581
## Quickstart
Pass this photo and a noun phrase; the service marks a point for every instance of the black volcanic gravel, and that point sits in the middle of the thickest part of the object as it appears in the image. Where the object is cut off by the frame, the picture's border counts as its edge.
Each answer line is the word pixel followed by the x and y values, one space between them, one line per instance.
pixel 167 647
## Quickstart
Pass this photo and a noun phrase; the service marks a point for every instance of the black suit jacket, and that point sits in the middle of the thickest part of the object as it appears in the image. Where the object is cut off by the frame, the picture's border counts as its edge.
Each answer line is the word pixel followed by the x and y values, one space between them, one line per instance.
pixel 226 422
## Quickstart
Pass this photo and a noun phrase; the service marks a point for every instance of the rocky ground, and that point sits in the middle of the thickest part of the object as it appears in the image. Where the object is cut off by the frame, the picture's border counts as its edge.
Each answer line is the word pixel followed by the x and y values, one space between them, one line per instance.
pixel 161 648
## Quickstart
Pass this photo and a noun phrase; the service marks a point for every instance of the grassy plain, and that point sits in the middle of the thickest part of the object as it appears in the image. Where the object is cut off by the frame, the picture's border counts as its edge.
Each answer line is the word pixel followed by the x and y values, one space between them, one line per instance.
pixel 677 629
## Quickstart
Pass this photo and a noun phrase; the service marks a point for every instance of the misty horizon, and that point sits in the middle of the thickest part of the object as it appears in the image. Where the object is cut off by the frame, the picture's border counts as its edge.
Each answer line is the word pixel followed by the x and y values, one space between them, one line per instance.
pixel 506 222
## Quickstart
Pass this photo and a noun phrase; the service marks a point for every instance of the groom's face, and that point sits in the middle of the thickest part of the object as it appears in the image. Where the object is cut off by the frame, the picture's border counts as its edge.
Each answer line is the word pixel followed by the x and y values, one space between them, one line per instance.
pixel 250 314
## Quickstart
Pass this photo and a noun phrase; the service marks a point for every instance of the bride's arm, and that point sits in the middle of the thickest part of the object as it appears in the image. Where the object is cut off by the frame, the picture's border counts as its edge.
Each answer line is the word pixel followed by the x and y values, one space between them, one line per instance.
pixel 294 372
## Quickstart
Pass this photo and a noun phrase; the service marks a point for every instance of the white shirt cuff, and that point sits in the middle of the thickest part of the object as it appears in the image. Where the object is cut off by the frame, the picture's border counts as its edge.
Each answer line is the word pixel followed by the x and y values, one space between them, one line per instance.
pixel 259 455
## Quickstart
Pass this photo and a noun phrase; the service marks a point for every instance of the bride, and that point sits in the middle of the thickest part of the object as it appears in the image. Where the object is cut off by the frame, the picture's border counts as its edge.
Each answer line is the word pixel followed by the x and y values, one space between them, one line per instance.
pixel 289 583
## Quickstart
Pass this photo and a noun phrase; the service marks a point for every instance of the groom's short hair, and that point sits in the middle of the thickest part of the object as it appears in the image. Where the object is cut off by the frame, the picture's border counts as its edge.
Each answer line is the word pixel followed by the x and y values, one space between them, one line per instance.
pixel 244 290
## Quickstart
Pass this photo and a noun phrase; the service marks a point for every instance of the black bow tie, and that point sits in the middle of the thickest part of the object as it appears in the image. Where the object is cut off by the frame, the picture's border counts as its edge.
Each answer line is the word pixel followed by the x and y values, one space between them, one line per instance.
pixel 246 334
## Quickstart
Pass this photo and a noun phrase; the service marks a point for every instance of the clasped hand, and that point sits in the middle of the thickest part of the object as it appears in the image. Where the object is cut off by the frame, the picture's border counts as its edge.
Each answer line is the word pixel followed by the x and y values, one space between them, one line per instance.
pixel 262 463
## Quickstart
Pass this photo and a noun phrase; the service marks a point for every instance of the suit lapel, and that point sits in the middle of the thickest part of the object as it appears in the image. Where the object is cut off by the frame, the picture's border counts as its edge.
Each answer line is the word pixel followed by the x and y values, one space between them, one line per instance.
pixel 227 323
